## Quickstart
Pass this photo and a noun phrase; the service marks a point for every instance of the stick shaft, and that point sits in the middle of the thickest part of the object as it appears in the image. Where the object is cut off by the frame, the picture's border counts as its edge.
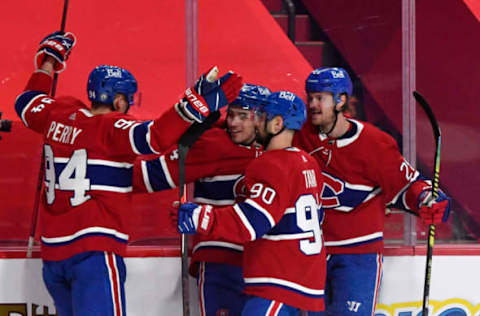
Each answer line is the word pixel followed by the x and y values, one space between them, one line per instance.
pixel 36 203
pixel 435 185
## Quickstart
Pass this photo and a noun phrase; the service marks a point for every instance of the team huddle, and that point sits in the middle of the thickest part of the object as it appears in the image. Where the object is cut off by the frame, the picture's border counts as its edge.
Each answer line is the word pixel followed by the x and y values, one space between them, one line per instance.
pixel 268 239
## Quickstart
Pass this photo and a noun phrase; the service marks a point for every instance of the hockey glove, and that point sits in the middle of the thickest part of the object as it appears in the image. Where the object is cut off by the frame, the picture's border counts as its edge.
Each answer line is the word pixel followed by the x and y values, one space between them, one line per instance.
pixel 57 45
pixel 194 218
pixel 210 94
pixel 433 211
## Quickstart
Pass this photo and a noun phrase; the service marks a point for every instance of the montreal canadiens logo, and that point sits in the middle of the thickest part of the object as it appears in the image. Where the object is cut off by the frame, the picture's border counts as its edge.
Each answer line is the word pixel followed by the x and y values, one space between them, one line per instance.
pixel 239 189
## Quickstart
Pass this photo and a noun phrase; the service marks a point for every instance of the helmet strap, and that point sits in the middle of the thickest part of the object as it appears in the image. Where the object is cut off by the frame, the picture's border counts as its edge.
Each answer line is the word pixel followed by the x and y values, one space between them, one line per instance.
pixel 269 137
pixel 334 122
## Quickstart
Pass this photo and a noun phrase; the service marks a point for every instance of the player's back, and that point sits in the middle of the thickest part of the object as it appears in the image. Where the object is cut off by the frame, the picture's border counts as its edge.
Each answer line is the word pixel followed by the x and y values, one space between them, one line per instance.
pixel 288 262
pixel 88 179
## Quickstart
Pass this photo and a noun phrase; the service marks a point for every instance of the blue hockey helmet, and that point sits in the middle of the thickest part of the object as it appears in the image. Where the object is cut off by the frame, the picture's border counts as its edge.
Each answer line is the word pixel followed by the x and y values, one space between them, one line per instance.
pixel 329 79
pixel 104 82
pixel 251 96
pixel 289 106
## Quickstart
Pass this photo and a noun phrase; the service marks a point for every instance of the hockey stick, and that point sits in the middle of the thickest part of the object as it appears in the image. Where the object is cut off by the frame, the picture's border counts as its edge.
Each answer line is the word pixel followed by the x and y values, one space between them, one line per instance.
pixel 436 177
pixel 62 29
pixel 36 203
pixel 185 142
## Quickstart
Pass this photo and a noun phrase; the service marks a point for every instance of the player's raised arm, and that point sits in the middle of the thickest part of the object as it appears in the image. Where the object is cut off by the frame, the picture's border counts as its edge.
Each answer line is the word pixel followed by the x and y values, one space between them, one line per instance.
pixel 33 105
pixel 154 137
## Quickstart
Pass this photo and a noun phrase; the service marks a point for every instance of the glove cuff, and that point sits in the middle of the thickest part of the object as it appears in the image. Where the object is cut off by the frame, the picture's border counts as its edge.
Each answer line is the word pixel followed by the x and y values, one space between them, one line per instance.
pixel 180 108
pixel 40 57
pixel 205 219
pixel 412 198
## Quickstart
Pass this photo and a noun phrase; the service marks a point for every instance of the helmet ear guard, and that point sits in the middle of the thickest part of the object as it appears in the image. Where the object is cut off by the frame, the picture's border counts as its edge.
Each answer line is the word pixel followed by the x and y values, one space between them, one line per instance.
pixel 329 79
pixel 104 82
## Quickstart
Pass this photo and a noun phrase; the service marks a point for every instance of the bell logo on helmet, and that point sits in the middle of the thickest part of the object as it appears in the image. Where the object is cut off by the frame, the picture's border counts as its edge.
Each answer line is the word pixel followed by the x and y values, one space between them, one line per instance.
pixel 114 73
pixel 337 74
pixel 287 96
pixel 104 82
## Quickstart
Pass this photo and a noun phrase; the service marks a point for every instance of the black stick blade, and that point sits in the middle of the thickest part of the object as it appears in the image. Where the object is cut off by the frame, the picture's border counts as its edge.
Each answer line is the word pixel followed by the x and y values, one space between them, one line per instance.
pixel 428 110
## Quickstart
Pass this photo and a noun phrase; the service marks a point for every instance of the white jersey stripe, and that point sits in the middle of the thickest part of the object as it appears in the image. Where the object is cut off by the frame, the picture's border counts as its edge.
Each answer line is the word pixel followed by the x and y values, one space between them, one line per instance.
pixel 166 172
pixel 347 141
pixel 403 190
pixel 245 222
pixel 149 139
pixel 146 179
pixel 290 210
pixel 119 292
pixel 288 236
pixel 202 200
pixel 98 187
pixel 109 163
pixel 359 187
pixel 98 162
pixel 355 240
pixel 89 230
pixel 286 283
pixel 86 112
pixel 221 178
pixel 274 308
pixel 132 140
pixel 377 282
pixel 111 273
pixel 109 188
pixel 28 106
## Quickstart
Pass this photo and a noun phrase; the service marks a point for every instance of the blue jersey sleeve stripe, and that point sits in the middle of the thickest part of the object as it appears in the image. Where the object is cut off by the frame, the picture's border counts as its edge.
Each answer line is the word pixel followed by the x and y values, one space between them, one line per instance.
pixel 399 200
pixel 262 210
pixel 149 137
pixel 23 102
pixel 245 222
pixel 157 176
pixel 166 172
pixel 216 190
pixel 145 176
pixel 139 137
pixel 256 218
pixel 132 141
pixel 287 225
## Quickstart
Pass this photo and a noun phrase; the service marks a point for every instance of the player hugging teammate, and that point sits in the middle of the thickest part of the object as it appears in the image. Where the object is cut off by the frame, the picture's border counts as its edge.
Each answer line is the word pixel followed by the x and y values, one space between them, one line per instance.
pixel 259 248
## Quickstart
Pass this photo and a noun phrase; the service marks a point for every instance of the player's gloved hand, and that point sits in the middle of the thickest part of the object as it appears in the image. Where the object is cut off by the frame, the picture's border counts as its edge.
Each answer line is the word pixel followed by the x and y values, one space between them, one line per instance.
pixel 433 211
pixel 194 218
pixel 210 94
pixel 57 45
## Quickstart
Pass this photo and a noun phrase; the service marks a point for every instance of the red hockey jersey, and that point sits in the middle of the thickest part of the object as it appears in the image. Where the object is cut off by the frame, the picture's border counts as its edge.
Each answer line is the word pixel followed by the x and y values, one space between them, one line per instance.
pixel 88 168
pixel 216 166
pixel 363 172
pixel 279 222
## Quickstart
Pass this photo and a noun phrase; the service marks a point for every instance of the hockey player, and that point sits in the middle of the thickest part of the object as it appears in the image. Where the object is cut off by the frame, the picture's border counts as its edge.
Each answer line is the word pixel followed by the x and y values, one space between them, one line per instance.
pixel 216 162
pixel 363 172
pixel 89 155
pixel 279 221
